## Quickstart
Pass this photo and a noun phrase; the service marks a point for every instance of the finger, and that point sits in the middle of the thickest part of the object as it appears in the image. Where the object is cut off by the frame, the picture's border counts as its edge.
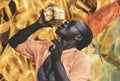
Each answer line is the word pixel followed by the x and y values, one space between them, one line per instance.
pixel 42 20
pixel 51 48
pixel 57 44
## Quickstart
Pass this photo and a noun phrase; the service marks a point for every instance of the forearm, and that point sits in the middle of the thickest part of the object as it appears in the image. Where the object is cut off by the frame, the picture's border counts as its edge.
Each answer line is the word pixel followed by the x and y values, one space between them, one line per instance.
pixel 60 72
pixel 23 34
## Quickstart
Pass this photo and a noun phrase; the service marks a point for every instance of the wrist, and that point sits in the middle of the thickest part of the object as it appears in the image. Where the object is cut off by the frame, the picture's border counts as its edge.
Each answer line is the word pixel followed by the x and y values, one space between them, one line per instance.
pixel 40 24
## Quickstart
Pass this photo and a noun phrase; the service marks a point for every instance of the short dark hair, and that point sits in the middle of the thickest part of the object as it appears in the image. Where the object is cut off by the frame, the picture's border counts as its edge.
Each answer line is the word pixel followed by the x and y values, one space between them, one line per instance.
pixel 86 33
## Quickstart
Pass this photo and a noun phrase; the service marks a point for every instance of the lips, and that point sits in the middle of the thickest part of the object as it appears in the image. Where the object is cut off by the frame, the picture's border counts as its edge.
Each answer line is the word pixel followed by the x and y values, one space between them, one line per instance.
pixel 58 29
pixel 62 26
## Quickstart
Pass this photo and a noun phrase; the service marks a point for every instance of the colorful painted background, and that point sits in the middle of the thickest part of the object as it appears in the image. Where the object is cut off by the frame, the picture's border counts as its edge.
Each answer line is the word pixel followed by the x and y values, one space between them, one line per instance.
pixel 103 52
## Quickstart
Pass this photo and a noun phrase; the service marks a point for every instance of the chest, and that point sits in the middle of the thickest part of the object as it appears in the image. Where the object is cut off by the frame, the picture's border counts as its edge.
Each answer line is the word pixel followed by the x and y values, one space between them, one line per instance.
pixel 46 70
pixel 66 58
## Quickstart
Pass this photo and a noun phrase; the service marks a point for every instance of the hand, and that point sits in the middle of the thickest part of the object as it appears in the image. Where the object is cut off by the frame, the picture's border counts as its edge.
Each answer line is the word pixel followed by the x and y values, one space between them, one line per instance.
pixel 42 21
pixel 56 51
pixel 52 16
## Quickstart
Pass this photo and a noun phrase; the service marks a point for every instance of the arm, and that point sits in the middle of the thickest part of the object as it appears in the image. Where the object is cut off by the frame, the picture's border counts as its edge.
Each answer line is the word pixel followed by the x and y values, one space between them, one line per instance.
pixel 60 72
pixel 56 52
pixel 98 20
pixel 23 34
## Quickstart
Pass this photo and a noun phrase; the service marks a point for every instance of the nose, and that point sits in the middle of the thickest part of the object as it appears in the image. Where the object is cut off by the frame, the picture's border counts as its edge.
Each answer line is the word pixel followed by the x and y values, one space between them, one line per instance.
pixel 67 22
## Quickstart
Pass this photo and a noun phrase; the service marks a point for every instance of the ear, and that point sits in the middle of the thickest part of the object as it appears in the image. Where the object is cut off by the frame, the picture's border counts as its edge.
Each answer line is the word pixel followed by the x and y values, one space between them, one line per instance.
pixel 78 38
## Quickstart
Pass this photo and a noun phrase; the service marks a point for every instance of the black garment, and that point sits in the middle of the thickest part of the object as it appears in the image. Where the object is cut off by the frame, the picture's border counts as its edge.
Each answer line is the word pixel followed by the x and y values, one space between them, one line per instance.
pixel 22 35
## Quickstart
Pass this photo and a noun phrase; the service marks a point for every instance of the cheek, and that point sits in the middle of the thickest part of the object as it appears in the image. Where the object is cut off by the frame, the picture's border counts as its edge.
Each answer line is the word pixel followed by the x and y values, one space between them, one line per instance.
pixel 62 34
pixel 66 33
pixel 72 32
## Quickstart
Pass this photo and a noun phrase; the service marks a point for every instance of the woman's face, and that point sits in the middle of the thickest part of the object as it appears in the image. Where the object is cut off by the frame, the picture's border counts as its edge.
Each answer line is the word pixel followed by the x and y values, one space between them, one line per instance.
pixel 68 30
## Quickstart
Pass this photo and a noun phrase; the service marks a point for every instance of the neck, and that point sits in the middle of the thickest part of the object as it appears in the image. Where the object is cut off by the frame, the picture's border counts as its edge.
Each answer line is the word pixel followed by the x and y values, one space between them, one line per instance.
pixel 67 44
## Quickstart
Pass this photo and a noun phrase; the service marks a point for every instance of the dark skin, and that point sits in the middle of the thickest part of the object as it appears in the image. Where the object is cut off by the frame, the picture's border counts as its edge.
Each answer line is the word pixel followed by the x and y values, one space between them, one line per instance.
pixel 67 41
pixel 70 36
pixel 67 32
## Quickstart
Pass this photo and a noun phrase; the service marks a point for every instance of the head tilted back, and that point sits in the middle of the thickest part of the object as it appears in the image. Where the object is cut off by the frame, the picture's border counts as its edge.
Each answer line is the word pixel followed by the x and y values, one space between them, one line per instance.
pixel 86 33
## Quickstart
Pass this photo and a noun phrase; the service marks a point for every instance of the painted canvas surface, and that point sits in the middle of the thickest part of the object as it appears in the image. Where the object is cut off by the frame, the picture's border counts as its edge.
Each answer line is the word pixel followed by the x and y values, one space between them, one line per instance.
pixel 103 52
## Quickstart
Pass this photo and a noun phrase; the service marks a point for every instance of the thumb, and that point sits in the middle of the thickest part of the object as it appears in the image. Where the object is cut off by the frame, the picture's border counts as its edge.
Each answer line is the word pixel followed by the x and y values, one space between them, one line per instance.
pixel 51 48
